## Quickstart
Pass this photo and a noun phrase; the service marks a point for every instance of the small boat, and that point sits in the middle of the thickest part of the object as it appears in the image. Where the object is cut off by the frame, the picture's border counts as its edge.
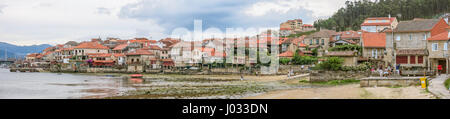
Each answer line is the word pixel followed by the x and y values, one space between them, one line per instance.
pixel 136 75
pixel 136 80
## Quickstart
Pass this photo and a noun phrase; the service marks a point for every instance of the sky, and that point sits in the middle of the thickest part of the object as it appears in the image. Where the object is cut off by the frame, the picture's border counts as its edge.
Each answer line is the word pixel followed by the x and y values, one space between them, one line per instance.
pixel 32 22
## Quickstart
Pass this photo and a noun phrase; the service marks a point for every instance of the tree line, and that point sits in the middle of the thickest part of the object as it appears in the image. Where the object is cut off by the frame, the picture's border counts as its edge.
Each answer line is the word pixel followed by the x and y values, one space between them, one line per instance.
pixel 354 13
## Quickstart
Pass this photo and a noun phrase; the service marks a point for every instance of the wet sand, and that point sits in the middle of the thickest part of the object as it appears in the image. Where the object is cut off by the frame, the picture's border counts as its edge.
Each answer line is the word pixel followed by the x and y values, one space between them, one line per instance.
pixel 351 91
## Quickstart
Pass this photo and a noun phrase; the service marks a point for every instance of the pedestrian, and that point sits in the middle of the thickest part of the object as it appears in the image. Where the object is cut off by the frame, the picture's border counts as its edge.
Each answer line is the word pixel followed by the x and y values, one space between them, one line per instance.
pixel 242 77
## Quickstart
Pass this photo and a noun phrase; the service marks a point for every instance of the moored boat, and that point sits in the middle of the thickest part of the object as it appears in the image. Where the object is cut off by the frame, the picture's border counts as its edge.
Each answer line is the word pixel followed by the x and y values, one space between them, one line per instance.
pixel 136 75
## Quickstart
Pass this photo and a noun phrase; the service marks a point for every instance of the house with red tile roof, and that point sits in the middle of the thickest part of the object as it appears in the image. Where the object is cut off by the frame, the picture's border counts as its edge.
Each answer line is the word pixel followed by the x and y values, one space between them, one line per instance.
pixel 139 60
pixel 374 46
pixel 412 44
pixel 438 46
pixel 320 40
pixel 379 24
pixel 85 48
pixel 32 57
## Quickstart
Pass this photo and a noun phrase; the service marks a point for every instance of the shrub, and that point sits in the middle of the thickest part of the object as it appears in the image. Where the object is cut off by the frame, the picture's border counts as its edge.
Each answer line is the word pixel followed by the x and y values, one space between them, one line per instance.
pixel 447 83
pixel 332 63
pixel 284 61
pixel 303 60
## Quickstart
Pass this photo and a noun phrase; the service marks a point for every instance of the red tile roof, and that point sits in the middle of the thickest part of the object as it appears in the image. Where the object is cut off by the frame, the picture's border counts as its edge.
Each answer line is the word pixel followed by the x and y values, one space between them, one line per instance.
pixel 33 55
pixel 349 34
pixel 374 40
pixel 121 47
pixel 287 54
pixel 154 47
pixel 392 19
pixel 90 45
pixel 119 55
pixel 442 36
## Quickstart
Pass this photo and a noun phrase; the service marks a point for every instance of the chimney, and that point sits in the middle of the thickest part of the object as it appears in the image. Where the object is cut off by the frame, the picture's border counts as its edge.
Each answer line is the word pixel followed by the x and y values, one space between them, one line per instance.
pixel 389 16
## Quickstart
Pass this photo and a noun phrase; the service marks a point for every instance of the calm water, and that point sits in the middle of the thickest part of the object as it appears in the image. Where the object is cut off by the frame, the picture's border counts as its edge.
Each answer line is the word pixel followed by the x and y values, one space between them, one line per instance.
pixel 53 85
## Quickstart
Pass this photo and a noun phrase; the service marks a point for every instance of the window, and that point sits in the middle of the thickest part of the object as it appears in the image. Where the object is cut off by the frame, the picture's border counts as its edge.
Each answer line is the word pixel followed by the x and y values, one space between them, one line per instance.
pixel 317 41
pixel 412 59
pixel 310 42
pixel 398 38
pixel 410 36
pixel 424 36
pixel 323 42
pixel 434 46
pixel 419 59
pixel 402 59
pixel 374 53
pixel 445 46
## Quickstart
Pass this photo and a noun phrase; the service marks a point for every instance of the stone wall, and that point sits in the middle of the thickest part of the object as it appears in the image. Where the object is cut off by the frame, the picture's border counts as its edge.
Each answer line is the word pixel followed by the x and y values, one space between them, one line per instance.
pixel 321 76
pixel 389 82
pixel 284 69
pixel 105 70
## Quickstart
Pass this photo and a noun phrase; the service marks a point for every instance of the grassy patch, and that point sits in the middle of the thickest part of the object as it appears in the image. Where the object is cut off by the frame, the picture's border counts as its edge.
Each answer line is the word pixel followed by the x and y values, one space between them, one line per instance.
pixel 447 83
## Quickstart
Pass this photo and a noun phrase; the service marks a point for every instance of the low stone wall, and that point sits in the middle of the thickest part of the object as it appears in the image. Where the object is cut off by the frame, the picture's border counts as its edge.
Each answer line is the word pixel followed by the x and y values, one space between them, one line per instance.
pixel 284 69
pixel 389 82
pixel 105 70
pixel 322 76
pixel 416 73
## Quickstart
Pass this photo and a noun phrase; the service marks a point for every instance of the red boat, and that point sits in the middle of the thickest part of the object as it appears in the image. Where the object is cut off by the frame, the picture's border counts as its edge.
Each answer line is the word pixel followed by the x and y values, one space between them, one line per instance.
pixel 136 75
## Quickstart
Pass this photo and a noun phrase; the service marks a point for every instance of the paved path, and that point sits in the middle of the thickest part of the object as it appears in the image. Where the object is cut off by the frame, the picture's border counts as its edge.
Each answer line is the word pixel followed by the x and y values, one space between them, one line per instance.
pixel 298 76
pixel 437 87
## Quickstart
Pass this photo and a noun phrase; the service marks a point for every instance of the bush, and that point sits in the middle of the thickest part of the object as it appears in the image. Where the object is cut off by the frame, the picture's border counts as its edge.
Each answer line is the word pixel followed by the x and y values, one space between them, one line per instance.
pixel 303 60
pixel 447 83
pixel 284 61
pixel 332 63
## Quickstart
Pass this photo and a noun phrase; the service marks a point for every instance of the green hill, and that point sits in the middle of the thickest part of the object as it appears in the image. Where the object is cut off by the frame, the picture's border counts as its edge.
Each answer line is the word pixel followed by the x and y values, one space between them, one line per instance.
pixel 353 14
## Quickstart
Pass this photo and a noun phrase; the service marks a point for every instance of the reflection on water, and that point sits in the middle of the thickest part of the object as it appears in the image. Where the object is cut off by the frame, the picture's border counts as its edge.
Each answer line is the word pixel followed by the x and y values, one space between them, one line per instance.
pixel 61 85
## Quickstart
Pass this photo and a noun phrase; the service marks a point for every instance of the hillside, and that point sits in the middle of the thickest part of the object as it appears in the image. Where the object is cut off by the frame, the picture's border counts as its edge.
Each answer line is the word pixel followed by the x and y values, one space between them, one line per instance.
pixel 353 14
pixel 20 51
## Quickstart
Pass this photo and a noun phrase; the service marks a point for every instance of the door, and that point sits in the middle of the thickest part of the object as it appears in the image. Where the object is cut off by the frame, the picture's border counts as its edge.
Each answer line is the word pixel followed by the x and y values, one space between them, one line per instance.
pixel 443 65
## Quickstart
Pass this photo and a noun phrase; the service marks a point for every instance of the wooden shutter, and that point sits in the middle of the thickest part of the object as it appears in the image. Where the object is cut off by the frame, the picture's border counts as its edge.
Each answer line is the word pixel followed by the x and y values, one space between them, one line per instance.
pixel 402 59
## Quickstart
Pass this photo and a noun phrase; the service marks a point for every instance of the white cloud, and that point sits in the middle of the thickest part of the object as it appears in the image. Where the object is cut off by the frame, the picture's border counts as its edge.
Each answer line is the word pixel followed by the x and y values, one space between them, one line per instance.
pixel 1 8
pixel 62 21
pixel 319 8
pixel 28 22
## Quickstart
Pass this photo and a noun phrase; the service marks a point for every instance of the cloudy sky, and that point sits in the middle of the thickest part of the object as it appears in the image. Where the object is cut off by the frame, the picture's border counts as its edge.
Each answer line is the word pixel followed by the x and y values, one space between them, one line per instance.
pixel 28 22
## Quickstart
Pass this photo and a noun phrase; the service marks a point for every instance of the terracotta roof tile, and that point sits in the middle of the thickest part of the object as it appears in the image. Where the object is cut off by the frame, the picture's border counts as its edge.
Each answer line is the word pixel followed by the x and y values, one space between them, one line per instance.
pixel 90 45
pixel 287 54
pixel 392 19
pixel 121 47
pixel 442 36
pixel 377 40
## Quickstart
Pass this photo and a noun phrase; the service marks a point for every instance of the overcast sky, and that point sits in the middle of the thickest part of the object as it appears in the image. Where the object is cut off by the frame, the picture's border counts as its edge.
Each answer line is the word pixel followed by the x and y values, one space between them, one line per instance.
pixel 29 22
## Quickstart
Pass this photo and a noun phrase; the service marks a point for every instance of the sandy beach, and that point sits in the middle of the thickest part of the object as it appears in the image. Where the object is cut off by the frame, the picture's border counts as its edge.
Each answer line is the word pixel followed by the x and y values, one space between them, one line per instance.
pixel 351 91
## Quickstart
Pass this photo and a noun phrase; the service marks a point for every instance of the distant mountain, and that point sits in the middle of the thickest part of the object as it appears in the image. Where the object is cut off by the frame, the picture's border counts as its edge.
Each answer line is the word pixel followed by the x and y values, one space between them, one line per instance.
pixel 20 51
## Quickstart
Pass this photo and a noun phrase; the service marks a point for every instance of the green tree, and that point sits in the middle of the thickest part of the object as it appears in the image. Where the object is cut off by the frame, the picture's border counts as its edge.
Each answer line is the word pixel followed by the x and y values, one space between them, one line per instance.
pixel 332 63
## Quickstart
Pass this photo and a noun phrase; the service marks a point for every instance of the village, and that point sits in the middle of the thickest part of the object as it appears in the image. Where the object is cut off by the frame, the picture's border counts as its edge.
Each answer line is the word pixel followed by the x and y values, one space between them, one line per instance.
pixel 414 47
pixel 385 52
